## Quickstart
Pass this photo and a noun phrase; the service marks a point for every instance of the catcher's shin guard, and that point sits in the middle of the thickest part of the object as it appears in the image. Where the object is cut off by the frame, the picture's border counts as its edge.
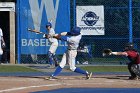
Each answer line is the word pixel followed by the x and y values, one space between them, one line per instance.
pixel 50 58
pixel 56 61
pixel 136 69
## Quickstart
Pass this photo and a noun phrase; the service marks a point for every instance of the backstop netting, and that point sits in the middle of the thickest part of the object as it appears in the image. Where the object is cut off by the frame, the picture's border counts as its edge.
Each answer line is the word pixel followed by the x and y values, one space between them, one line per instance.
pixel 104 23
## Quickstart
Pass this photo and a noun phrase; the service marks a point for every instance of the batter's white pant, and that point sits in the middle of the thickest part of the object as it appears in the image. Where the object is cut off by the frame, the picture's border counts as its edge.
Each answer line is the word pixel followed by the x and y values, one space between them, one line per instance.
pixel 53 47
pixel 69 57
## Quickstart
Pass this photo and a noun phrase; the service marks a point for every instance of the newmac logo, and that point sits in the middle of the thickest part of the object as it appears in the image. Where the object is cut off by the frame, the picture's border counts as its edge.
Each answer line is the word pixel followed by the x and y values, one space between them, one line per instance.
pixel 90 18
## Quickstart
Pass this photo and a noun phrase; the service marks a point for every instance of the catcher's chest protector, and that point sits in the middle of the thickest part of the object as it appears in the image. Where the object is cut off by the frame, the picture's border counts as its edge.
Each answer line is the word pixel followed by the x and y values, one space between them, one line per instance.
pixel 134 56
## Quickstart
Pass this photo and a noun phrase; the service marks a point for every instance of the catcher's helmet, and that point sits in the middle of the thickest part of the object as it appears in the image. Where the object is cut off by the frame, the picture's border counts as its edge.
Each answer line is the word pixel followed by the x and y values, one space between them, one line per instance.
pixel 48 24
pixel 76 31
pixel 129 46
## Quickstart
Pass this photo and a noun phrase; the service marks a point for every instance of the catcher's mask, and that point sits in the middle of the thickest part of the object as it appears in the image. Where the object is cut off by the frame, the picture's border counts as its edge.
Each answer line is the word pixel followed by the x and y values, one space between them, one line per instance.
pixel 129 46
pixel 76 31
pixel 48 24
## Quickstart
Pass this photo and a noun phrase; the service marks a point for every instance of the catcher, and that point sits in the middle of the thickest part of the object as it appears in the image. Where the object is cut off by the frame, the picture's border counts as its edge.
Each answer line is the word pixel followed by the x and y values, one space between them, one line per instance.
pixel 52 59
pixel 134 57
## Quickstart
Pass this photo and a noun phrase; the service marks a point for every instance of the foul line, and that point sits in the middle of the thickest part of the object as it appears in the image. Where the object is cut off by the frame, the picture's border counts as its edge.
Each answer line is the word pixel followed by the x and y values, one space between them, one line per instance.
pixel 21 88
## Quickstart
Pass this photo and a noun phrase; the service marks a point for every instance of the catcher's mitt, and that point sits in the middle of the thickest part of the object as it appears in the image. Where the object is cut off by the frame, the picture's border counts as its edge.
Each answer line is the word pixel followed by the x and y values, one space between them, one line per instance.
pixel 107 52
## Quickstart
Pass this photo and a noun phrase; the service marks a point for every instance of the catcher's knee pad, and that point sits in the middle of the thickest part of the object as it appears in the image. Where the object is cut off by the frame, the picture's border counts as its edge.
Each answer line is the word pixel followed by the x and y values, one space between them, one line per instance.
pixel 136 69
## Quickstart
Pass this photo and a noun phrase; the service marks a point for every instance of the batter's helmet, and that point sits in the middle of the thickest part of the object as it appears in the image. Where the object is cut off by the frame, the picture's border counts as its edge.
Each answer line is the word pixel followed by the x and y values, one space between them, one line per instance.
pixel 129 46
pixel 48 24
pixel 76 31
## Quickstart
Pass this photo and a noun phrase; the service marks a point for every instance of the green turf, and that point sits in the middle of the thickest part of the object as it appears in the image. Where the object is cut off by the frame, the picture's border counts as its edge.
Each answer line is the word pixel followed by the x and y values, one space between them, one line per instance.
pixel 106 68
pixel 12 68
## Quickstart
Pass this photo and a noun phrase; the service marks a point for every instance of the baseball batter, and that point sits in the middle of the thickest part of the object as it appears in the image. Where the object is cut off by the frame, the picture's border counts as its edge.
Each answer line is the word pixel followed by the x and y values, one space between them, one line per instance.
pixel 70 55
pixel 53 45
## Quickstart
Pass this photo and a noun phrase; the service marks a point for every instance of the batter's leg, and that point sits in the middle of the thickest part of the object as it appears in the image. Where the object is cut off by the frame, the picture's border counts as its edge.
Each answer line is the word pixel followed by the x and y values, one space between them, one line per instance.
pixel 71 56
pixel 57 71
pixel 60 67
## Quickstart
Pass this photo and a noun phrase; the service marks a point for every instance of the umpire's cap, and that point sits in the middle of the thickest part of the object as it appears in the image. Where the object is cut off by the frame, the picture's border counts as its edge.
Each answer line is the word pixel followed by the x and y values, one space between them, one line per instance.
pixel 76 31
pixel 48 24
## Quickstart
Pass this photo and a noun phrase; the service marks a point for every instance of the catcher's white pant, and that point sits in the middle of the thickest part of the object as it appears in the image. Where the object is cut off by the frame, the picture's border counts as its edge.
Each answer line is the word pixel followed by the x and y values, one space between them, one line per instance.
pixel 69 57
pixel 53 47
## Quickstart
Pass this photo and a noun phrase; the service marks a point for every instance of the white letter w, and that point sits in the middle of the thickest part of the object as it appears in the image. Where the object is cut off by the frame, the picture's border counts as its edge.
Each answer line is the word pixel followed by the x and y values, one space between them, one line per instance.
pixel 36 11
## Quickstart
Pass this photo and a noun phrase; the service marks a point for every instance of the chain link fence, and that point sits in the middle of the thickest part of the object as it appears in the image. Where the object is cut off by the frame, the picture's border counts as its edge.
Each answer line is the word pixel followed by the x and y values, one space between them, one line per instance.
pixel 116 14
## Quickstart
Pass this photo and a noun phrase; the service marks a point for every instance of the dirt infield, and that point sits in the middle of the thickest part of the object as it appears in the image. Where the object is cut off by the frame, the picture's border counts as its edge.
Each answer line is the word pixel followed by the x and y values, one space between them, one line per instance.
pixel 34 84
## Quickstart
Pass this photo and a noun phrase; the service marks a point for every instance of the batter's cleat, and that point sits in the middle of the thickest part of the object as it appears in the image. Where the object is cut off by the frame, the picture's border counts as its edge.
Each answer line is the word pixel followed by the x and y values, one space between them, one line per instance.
pixel 89 75
pixel 51 78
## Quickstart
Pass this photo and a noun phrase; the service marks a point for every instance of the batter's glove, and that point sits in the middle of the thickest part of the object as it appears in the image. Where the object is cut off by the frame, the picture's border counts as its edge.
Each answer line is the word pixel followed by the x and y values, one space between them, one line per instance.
pixel 107 52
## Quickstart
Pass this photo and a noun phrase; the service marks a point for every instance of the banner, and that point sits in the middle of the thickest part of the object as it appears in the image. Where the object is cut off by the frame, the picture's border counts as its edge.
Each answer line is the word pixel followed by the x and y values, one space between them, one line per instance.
pixel 90 19
pixel 35 14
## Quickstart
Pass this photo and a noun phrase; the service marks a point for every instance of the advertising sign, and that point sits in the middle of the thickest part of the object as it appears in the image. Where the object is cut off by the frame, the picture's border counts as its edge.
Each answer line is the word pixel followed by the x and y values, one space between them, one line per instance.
pixel 90 19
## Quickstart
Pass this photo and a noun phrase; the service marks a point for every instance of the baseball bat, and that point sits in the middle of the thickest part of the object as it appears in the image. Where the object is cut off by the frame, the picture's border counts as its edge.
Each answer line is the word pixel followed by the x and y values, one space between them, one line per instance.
pixel 35 31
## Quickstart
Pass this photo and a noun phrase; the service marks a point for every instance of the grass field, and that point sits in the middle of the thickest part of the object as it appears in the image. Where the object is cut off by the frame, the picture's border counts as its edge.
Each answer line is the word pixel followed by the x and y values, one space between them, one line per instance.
pixel 17 68
pixel 12 68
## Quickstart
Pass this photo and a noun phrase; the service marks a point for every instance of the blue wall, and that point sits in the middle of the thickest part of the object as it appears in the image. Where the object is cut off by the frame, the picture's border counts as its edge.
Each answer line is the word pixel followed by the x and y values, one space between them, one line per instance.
pixel 35 14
